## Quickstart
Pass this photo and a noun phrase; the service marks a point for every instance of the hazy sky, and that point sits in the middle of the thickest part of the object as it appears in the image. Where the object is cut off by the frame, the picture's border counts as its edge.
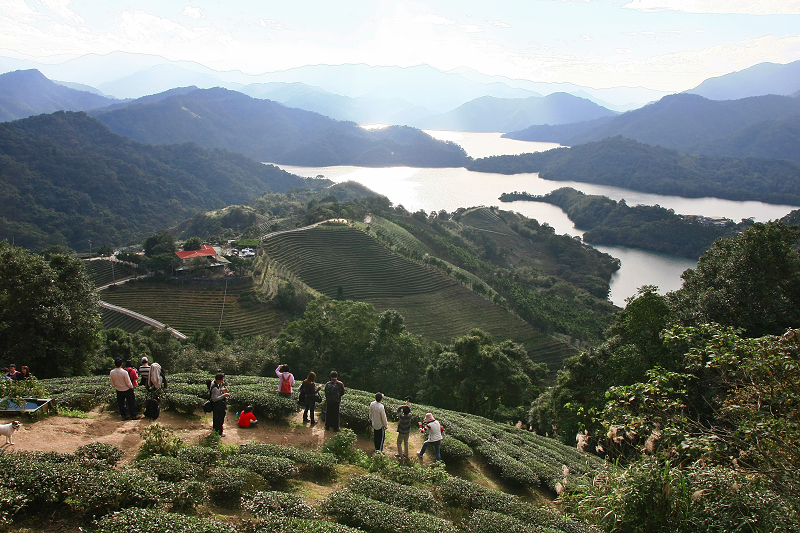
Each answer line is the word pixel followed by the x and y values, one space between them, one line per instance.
pixel 669 45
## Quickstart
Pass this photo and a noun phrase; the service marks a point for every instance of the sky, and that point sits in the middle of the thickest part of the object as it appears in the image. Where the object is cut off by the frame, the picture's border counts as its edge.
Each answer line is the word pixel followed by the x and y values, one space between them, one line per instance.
pixel 668 45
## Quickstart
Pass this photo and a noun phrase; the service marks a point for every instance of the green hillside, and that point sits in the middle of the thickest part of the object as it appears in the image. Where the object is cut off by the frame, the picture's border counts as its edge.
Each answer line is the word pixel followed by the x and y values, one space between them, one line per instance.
pixel 189 307
pixel 115 319
pixel 66 178
pixel 102 272
pixel 433 305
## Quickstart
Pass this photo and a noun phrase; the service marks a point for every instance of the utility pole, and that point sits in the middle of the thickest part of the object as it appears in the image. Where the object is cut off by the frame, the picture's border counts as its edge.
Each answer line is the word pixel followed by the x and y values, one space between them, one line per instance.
pixel 90 247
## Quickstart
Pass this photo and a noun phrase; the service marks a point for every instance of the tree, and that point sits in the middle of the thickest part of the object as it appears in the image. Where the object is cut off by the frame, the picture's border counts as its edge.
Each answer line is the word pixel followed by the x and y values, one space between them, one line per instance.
pixel 49 313
pixel 750 281
pixel 192 243
pixel 162 242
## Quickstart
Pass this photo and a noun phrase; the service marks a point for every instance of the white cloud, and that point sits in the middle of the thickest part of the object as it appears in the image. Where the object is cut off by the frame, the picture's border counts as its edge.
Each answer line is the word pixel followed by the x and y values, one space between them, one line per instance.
pixel 587 37
pixel 62 9
pixel 749 7
pixel 270 23
pixel 623 50
pixel 17 9
pixel 471 28
pixel 193 12
pixel 430 18
pixel 498 23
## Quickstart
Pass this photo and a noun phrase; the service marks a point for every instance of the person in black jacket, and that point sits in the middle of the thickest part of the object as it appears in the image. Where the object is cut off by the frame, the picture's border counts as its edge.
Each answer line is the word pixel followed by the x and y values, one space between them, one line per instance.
pixel 308 392
pixel 334 390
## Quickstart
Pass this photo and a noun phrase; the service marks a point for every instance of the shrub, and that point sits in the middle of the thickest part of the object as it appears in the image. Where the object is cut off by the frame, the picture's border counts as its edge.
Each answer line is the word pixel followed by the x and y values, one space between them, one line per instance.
pixel 280 524
pixel 270 468
pixel 317 463
pixel 75 400
pixel 343 446
pixel 99 451
pixel 157 521
pixel 159 440
pixel 454 450
pixel 414 473
pixel 188 496
pixel 393 493
pixel 490 522
pixel 377 517
pixel 11 501
pixel 262 504
pixel 200 455
pixel 226 485
pixel 185 403
pixel 267 405
pixel 166 468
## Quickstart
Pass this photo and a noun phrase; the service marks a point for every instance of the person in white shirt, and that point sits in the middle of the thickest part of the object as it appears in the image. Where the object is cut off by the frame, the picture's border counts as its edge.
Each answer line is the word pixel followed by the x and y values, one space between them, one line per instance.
pixel 377 418
pixel 126 399
pixel 285 381
pixel 435 436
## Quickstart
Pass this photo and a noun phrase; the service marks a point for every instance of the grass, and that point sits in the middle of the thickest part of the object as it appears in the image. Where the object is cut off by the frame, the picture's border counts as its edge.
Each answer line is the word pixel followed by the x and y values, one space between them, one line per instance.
pixel 190 307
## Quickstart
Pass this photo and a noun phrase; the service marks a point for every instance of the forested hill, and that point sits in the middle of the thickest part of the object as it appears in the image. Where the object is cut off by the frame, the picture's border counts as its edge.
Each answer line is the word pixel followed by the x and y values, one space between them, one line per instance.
pixel 28 92
pixel 65 178
pixel 268 131
pixel 626 163
pixel 760 126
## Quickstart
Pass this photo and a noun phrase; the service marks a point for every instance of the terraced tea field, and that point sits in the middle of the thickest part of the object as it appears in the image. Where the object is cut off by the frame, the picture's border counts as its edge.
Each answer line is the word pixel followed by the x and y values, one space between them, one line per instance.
pixel 433 304
pixel 115 319
pixel 190 307
pixel 102 273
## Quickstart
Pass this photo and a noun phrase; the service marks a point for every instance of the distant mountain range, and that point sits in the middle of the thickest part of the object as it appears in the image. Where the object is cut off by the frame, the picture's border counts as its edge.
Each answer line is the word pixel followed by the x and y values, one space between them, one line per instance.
pixel 489 114
pixel 760 126
pixel 28 92
pixel 626 163
pixel 267 131
pixel 758 80
pixel 65 178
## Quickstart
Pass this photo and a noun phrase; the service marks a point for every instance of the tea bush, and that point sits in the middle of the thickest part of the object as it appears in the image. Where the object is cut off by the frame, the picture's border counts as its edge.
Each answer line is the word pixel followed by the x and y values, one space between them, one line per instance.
pixel 166 468
pixel 184 403
pixel 99 451
pixel 454 450
pixel 188 496
pixel 370 515
pixel 270 468
pixel 262 504
pixel 490 522
pixel 157 521
pixel 343 446
pixel 393 493
pixel 75 400
pixel 11 501
pixel 281 524
pixel 316 463
pixel 267 405
pixel 200 455
pixel 227 485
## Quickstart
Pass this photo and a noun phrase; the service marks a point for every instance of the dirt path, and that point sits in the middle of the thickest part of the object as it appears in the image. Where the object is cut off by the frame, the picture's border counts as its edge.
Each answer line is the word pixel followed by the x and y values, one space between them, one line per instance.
pixel 63 434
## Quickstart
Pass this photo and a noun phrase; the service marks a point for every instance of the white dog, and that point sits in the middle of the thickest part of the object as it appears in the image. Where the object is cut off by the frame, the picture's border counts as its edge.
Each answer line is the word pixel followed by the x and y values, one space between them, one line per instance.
pixel 7 430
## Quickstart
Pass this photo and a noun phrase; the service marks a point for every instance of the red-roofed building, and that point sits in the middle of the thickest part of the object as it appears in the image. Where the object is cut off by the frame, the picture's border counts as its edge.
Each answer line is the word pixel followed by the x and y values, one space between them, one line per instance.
pixel 205 251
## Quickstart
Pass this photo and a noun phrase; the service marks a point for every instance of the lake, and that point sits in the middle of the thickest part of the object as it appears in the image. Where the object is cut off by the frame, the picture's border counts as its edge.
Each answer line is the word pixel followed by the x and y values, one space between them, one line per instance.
pixel 433 189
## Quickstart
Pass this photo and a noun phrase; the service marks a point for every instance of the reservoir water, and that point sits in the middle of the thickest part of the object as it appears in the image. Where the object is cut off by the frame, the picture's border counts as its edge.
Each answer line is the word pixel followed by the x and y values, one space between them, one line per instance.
pixel 433 189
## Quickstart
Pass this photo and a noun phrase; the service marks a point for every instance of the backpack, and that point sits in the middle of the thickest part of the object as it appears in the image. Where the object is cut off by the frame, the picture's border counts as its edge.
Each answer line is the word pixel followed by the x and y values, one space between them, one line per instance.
pixel 286 385
pixel 152 409
pixel 301 397
pixel 332 392
pixel 156 378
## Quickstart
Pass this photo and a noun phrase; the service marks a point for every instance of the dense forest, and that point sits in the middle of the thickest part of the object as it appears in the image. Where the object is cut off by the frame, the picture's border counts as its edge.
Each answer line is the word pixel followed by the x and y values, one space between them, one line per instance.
pixel 632 165
pixel 650 227
pixel 66 178
pixel 268 131
pixel 761 126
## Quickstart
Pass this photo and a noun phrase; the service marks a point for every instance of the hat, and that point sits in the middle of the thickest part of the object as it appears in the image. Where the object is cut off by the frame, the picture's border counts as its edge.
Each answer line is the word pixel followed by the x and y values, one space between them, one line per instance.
pixel 428 418
pixel 144 360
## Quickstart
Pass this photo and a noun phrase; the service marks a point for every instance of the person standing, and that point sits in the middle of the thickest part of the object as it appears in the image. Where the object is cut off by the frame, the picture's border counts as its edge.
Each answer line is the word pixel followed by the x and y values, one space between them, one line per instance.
pixel 144 372
pixel 435 436
pixel 377 418
pixel 134 375
pixel 219 403
pixel 126 399
pixel 12 373
pixel 334 390
pixel 404 417
pixel 285 381
pixel 309 390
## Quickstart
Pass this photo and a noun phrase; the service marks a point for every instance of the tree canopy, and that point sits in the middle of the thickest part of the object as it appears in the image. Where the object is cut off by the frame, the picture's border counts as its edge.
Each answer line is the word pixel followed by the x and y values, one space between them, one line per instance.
pixel 49 313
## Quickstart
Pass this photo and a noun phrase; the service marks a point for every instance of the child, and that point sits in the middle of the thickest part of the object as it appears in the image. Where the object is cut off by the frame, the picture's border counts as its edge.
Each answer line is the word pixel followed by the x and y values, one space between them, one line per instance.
pixel 403 429
pixel 247 419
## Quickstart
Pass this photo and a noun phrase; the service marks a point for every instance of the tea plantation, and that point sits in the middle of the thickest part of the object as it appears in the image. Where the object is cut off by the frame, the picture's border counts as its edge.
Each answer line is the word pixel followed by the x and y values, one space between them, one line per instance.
pixel 184 487
pixel 433 305
pixel 102 272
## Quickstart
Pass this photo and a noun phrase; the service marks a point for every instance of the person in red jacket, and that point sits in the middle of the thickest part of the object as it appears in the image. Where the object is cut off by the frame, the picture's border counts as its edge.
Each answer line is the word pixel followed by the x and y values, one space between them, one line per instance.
pixel 247 419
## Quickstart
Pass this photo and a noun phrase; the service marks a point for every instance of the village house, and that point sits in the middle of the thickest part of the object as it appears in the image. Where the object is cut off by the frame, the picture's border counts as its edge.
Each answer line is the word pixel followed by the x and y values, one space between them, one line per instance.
pixel 207 261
